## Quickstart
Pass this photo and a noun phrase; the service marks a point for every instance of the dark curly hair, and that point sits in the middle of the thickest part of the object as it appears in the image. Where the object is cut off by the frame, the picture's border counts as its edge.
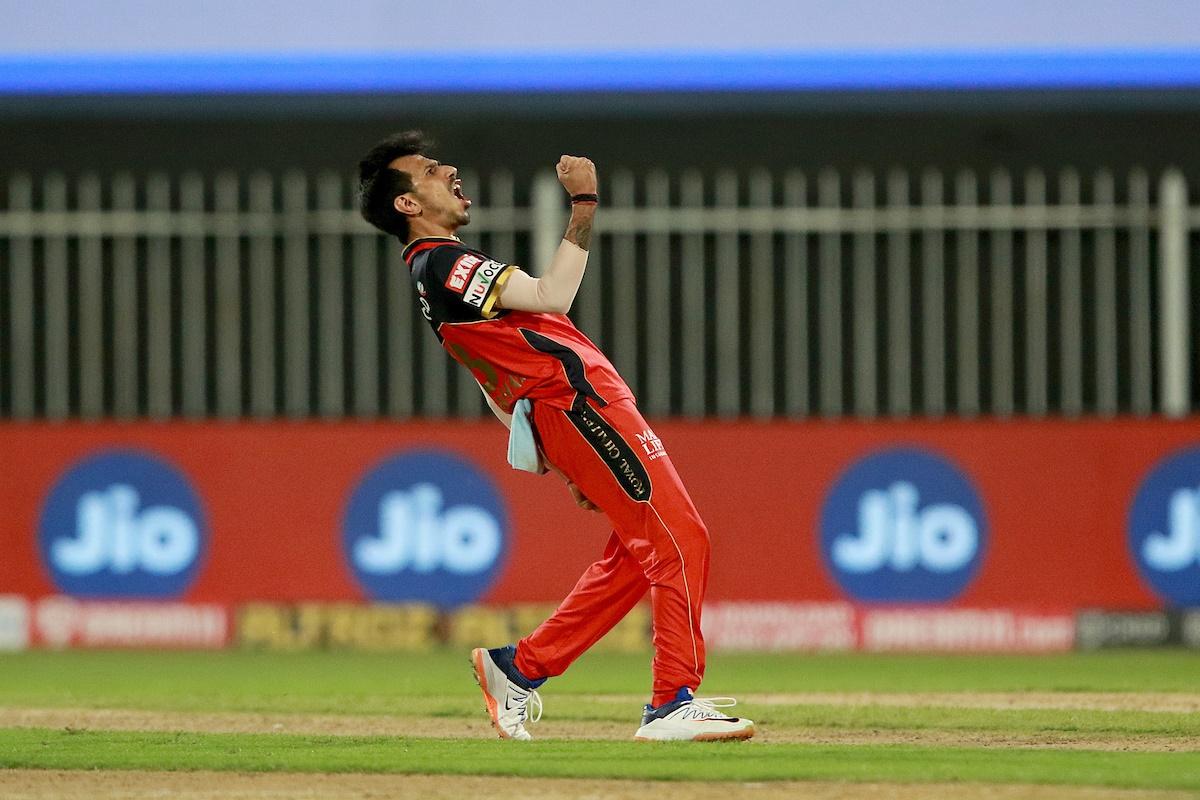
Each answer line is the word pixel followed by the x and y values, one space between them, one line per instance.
pixel 379 185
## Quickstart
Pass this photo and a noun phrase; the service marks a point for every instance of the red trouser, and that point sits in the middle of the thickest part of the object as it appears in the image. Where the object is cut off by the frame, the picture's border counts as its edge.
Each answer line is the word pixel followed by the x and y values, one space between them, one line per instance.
pixel 658 543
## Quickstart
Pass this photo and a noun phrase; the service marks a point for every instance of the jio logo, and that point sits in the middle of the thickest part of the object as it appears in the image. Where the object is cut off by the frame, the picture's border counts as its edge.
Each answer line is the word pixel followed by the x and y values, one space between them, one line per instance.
pixel 903 526
pixel 1164 528
pixel 122 524
pixel 425 526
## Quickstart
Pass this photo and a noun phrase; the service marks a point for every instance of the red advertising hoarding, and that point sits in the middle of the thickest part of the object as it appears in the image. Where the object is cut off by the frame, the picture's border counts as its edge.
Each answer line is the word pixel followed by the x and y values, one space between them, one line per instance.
pixel 1043 516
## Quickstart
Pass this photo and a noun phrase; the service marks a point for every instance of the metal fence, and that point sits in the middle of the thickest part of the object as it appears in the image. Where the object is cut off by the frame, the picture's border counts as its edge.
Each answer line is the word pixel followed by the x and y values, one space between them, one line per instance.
pixel 757 294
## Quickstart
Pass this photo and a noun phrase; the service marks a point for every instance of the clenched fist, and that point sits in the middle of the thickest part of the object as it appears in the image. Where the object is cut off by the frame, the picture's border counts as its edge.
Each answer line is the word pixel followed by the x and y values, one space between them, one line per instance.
pixel 581 499
pixel 577 175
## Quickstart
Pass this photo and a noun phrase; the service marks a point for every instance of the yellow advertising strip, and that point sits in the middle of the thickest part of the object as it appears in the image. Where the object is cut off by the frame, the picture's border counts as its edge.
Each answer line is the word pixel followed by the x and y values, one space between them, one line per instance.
pixel 408 627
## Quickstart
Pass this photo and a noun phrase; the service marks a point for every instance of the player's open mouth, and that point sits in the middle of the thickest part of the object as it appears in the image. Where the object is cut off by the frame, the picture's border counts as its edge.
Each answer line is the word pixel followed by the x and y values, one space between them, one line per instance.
pixel 456 188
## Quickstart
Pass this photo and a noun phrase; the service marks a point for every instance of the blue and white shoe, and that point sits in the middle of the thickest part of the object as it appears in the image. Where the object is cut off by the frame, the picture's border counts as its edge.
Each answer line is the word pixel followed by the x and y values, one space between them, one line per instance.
pixel 692 719
pixel 509 695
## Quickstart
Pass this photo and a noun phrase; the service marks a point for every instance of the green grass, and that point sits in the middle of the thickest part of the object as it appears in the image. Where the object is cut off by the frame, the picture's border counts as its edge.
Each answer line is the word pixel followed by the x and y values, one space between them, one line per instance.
pixel 608 687
pixel 391 684
pixel 1014 721
pixel 50 749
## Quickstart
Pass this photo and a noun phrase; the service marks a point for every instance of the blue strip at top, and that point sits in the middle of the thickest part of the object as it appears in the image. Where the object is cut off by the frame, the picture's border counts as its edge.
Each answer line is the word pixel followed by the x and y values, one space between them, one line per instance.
pixel 611 72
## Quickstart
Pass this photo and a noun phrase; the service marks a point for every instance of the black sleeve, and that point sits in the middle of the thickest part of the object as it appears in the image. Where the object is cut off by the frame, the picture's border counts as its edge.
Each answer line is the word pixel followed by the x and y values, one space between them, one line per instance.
pixel 463 285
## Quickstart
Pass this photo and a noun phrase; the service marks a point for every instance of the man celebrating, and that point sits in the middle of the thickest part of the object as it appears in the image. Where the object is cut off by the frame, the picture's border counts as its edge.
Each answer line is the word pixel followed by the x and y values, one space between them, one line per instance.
pixel 510 330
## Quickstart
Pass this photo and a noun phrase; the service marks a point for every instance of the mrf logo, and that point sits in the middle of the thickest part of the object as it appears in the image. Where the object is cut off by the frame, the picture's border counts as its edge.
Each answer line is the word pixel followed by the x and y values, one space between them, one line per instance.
pixel 122 524
pixel 903 526
pixel 1164 528
pixel 425 526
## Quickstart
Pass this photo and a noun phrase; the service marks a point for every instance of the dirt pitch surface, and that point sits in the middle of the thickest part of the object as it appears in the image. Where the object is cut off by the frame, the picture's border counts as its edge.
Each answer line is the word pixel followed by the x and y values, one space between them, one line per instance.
pixel 116 785
pixel 449 727
pixel 443 728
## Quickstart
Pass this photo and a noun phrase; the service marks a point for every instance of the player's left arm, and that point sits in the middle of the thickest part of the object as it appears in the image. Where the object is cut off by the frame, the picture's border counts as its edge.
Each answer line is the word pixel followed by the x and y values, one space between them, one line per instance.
pixel 555 291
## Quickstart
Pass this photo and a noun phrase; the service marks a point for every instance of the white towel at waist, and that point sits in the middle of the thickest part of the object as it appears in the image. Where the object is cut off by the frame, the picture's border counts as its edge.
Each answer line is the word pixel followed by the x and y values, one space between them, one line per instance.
pixel 523 451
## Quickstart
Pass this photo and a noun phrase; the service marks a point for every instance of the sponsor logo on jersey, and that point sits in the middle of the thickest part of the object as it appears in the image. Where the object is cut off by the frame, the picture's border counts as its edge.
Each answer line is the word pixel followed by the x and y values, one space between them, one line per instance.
pixel 122 524
pixel 621 459
pixel 500 386
pixel 423 302
pixel 1164 528
pixel 652 446
pixel 428 527
pixel 461 272
pixel 480 285
pixel 903 526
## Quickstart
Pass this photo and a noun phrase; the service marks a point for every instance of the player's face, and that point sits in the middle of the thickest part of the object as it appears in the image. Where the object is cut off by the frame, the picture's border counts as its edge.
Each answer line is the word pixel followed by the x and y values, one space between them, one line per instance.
pixel 437 191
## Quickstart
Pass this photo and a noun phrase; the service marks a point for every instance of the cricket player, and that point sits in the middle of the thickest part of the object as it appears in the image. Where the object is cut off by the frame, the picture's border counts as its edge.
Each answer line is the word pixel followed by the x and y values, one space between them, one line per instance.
pixel 511 331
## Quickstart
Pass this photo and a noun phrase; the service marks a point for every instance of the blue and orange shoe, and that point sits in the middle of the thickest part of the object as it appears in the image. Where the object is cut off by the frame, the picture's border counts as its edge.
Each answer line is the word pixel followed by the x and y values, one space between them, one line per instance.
pixel 509 695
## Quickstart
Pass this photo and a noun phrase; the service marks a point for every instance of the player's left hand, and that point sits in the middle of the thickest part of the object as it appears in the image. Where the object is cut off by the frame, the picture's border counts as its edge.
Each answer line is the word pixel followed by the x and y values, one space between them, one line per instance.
pixel 581 499
pixel 577 174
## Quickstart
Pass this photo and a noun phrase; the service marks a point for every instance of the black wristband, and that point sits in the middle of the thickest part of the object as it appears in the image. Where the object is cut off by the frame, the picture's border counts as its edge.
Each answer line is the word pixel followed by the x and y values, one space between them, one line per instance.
pixel 585 198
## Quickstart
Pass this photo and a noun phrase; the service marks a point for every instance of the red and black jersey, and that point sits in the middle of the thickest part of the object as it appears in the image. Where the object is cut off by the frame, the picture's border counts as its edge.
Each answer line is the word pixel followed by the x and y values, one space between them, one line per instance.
pixel 513 354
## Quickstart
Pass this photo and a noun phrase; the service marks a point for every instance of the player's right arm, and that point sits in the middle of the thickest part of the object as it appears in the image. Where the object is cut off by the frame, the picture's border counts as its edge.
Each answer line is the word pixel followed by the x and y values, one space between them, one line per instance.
pixel 505 419
pixel 555 291
pixel 577 494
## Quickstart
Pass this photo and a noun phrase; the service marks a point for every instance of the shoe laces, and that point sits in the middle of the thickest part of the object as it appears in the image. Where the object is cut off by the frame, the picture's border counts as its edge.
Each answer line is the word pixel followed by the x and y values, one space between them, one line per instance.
pixel 709 705
pixel 530 701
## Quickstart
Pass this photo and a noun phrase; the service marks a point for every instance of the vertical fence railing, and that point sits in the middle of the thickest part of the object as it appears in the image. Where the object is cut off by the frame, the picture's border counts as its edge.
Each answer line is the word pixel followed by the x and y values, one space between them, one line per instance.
pixel 1140 313
pixel 1104 270
pixel 758 294
pixel 966 299
pixel 1174 296
pixel 262 303
pixel 796 294
pixel 932 302
pixel 695 300
pixel 20 306
pixel 899 292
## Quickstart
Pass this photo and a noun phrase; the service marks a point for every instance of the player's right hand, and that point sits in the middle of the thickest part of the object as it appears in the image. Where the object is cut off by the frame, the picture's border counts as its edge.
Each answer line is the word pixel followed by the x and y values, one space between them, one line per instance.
pixel 581 499
pixel 577 175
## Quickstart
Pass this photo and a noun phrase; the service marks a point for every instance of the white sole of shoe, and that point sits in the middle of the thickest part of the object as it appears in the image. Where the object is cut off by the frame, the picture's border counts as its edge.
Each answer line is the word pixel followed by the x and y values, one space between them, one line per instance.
pixel 731 736
pixel 486 675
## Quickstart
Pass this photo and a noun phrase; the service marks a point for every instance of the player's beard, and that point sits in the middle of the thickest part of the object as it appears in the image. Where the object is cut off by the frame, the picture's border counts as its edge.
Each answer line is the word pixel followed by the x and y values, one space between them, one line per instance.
pixel 451 217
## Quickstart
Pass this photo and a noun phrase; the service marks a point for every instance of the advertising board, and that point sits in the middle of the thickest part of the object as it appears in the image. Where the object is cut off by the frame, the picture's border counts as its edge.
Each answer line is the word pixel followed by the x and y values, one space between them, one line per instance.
pixel 1058 517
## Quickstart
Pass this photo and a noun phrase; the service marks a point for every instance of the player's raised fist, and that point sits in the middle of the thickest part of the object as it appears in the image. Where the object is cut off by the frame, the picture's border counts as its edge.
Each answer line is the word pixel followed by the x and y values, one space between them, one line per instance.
pixel 577 175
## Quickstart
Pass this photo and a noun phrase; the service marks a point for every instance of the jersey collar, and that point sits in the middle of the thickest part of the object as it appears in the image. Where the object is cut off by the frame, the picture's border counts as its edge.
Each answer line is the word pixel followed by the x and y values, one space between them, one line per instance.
pixel 425 243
